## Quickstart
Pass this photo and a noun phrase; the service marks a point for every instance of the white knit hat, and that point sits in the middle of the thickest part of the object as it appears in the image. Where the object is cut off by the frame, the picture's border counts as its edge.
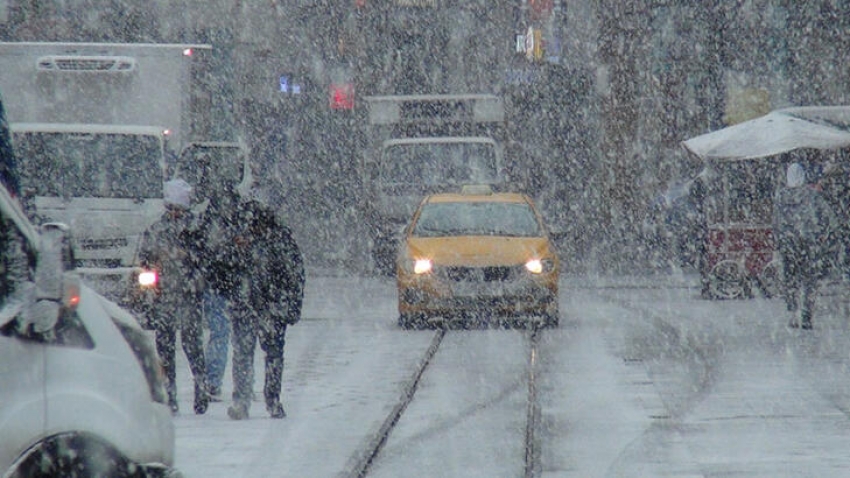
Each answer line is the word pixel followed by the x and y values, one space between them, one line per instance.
pixel 178 193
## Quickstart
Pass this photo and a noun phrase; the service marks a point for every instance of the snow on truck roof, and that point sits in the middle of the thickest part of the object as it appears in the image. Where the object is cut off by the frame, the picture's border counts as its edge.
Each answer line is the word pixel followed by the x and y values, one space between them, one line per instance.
pixel 455 97
pixel 439 140
pixel 51 46
pixel 85 128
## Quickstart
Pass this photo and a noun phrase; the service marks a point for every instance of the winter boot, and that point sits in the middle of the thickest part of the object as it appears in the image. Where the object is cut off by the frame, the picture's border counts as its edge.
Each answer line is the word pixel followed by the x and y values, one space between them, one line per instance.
pixel 202 399
pixel 215 394
pixel 172 400
pixel 238 411
pixel 275 409
pixel 806 323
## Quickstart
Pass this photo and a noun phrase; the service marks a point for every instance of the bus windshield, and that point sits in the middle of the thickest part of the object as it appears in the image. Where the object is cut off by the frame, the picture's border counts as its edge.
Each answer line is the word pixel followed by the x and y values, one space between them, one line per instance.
pixel 440 164
pixel 94 165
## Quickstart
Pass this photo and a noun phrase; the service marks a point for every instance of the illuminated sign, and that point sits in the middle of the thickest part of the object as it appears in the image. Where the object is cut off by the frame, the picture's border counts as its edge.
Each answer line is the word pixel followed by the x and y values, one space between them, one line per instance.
pixel 288 86
pixel 342 96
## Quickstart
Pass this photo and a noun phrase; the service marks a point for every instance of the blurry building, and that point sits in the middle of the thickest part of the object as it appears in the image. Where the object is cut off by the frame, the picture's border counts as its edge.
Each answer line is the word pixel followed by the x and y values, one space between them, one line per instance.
pixel 600 91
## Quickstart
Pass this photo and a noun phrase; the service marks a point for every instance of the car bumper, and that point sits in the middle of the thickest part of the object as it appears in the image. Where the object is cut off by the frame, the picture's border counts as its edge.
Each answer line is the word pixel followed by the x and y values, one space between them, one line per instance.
pixel 433 296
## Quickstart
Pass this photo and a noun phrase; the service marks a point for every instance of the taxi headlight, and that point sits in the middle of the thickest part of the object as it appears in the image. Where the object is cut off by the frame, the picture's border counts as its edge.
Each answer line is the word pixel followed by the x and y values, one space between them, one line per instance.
pixel 422 266
pixel 539 266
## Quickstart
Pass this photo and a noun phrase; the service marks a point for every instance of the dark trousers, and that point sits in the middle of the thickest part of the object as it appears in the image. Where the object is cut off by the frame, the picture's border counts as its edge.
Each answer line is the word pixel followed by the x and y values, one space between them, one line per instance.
pixel 248 328
pixel 801 270
pixel 186 318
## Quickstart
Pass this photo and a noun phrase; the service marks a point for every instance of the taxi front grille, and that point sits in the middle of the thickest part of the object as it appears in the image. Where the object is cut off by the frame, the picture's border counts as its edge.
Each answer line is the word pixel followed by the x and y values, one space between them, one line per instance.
pixel 479 274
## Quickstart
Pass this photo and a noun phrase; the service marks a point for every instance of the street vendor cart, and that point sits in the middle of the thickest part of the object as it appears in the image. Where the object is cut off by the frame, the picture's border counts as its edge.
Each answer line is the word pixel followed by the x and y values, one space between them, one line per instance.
pixel 744 165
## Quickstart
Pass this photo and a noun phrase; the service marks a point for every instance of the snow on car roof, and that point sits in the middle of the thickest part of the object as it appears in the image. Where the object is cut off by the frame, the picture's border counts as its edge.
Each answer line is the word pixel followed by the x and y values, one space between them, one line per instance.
pixel 493 197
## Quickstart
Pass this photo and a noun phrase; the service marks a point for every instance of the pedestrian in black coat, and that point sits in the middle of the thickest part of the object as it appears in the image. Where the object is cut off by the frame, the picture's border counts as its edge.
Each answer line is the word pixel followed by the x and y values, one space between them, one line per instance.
pixel 803 223
pixel 271 301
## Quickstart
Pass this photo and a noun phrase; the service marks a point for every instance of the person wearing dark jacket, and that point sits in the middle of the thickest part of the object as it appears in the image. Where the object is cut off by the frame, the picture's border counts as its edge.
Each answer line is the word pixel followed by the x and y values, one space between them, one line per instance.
pixel 270 301
pixel 217 256
pixel 802 224
pixel 166 249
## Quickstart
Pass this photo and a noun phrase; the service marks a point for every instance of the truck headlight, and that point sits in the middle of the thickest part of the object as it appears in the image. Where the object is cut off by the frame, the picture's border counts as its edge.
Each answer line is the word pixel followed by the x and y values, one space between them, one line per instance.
pixel 148 278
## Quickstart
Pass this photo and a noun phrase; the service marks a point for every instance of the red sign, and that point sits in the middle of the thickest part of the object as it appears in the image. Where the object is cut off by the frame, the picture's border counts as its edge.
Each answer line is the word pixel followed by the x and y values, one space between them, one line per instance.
pixel 342 96
pixel 540 9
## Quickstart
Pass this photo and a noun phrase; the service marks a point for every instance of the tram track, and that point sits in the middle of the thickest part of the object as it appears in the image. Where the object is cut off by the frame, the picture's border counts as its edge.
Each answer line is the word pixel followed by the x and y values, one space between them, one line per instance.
pixel 361 463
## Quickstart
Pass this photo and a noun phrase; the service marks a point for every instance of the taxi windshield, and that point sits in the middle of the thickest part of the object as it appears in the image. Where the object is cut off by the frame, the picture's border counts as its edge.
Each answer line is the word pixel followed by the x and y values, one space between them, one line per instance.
pixel 477 219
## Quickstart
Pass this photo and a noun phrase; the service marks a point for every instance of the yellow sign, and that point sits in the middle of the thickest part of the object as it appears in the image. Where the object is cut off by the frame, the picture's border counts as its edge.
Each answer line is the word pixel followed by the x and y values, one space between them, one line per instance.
pixel 745 104
pixel 534 44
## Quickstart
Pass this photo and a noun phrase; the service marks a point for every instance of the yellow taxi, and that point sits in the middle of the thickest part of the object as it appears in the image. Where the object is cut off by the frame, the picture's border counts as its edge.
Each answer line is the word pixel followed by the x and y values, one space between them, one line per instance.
pixel 476 255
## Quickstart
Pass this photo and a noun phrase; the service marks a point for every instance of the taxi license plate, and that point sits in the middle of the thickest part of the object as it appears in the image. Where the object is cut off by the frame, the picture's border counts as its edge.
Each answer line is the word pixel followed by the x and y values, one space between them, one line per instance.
pixel 476 289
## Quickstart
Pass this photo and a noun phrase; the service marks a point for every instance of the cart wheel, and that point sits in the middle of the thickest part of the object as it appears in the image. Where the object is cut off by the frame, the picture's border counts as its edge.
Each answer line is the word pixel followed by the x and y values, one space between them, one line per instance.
pixel 769 279
pixel 726 281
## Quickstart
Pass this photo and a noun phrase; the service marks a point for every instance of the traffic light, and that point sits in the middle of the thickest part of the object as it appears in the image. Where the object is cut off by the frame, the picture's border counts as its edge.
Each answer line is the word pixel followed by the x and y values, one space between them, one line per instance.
pixel 342 96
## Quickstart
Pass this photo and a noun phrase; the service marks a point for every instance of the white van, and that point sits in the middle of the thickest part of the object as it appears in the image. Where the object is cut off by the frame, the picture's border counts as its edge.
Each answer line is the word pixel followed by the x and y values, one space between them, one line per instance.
pixel 82 390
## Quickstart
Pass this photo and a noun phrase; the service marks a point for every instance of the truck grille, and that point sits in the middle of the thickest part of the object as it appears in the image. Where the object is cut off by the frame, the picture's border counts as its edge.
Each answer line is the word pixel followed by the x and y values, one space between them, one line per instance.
pixel 120 64
pixel 99 263
pixel 91 244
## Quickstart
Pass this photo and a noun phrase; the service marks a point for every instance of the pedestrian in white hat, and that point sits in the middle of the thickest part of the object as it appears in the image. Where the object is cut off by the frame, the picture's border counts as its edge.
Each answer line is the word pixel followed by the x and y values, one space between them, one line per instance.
pixel 167 250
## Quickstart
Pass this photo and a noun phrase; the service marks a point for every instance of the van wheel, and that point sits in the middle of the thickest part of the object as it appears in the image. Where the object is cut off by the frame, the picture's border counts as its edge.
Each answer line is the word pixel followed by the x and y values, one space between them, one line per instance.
pixel 73 455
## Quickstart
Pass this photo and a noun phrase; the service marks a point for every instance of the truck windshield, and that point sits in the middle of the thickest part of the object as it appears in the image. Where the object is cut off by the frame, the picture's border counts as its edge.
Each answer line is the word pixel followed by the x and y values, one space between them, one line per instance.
pixel 440 164
pixel 90 164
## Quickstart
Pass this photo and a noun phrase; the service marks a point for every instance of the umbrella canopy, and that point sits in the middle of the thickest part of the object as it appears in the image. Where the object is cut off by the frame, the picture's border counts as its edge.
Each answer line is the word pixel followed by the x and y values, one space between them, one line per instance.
pixel 780 131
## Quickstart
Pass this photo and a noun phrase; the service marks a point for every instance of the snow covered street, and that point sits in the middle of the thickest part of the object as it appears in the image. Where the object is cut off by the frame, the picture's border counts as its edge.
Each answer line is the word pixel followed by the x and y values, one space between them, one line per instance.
pixel 641 379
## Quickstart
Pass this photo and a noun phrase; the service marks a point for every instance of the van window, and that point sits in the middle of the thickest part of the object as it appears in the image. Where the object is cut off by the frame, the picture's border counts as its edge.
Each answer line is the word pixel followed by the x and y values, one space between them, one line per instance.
pixel 8 168
pixel 16 258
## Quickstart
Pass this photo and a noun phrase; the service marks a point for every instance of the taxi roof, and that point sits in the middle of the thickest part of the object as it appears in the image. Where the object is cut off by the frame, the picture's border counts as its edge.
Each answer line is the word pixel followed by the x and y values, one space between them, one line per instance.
pixel 492 197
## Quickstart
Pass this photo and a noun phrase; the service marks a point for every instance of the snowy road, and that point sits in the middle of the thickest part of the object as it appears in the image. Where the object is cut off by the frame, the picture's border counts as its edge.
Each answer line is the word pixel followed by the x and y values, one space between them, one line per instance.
pixel 638 381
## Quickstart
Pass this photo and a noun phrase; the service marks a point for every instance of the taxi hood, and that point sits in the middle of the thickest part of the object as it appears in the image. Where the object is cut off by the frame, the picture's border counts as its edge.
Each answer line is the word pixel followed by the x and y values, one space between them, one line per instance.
pixel 479 251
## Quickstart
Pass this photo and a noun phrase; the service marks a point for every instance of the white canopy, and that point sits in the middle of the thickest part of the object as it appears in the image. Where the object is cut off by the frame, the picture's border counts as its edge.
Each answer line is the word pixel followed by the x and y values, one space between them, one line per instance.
pixel 817 127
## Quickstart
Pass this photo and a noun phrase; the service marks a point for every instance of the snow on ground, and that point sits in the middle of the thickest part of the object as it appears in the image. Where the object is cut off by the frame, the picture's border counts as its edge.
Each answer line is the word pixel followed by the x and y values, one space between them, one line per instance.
pixel 641 379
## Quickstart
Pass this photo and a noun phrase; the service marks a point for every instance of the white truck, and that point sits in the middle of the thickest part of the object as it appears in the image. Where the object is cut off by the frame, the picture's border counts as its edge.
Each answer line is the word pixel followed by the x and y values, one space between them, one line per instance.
pixel 96 127
pixel 421 144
